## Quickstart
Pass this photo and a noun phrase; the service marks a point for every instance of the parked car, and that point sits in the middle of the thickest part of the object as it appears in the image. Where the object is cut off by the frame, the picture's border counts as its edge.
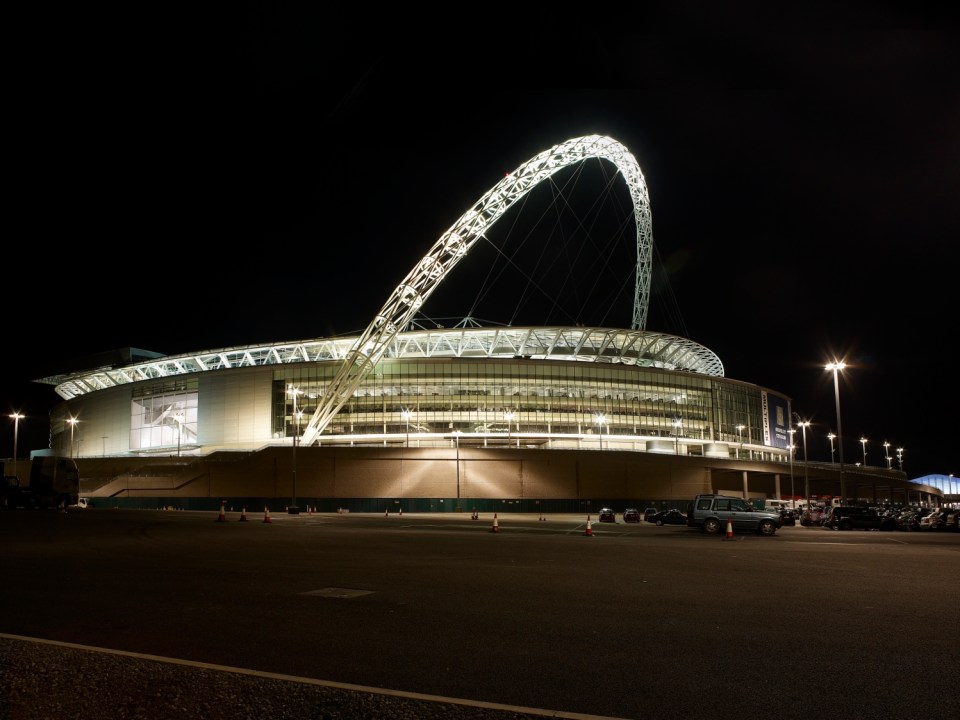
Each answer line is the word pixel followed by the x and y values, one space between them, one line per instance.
pixel 607 515
pixel 908 520
pixel 631 515
pixel 788 517
pixel 649 513
pixel 933 520
pixel 845 517
pixel 712 512
pixel 951 520
pixel 670 517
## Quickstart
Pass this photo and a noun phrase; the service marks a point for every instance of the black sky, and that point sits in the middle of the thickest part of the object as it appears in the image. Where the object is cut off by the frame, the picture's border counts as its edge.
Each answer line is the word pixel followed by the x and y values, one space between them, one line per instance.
pixel 184 184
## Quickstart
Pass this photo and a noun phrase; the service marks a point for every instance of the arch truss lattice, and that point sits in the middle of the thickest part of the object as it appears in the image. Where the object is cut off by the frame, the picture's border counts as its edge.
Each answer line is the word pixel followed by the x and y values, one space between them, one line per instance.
pixel 457 241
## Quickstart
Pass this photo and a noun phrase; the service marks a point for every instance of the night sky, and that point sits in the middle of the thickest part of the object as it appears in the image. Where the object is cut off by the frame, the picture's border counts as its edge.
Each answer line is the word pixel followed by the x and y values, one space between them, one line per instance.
pixel 183 184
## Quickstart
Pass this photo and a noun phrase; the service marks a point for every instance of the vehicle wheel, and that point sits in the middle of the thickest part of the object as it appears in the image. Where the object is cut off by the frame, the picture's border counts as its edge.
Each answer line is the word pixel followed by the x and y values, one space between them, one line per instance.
pixel 711 526
pixel 846 525
pixel 767 527
pixel 659 523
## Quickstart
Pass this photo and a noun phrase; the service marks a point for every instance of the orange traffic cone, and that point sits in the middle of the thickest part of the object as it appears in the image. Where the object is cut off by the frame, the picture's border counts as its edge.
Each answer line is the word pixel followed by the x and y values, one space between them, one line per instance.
pixel 589 530
pixel 266 514
pixel 729 528
pixel 222 516
pixel 243 514
pixel 496 525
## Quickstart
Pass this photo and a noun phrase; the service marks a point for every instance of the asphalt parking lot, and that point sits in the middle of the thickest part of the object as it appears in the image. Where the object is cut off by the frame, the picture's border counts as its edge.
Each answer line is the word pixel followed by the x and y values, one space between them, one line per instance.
pixel 535 618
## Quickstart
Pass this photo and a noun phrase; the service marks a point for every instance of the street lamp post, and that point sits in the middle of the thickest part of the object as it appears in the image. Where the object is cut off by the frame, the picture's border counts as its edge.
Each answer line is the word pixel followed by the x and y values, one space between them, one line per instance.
pixel 886 453
pixel 17 417
pixel 600 420
pixel 457 438
pixel 740 440
pixel 791 432
pixel 836 367
pixel 508 416
pixel 291 390
pixel 677 424
pixel 804 424
pixel 179 420
pixel 863 442
pixel 900 457
pixel 830 437
pixel 406 418
pixel 72 422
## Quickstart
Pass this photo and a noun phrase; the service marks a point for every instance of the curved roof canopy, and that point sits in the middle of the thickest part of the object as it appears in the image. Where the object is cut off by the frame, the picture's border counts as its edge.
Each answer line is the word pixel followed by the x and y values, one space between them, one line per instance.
pixel 641 348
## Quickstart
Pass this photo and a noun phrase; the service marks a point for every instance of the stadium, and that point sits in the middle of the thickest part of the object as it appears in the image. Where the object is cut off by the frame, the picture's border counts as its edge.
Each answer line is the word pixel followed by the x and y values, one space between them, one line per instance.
pixel 425 418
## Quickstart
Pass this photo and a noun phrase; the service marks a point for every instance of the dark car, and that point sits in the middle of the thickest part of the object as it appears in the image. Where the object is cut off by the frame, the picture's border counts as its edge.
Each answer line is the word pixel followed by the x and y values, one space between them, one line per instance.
pixel 908 520
pixel 631 515
pixel 850 517
pixel 607 515
pixel 951 520
pixel 788 517
pixel 649 513
pixel 670 517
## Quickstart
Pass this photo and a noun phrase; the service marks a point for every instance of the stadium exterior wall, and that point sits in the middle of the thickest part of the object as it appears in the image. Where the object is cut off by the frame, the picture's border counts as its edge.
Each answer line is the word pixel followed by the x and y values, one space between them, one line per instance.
pixel 489 479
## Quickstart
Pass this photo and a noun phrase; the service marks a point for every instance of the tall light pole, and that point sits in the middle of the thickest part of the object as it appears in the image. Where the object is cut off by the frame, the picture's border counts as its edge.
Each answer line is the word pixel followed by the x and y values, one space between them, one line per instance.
pixel 863 442
pixel 178 418
pixel 836 367
pixel 291 390
pixel 886 453
pixel 406 418
pixel 456 435
pixel 830 437
pixel 740 439
pixel 600 420
pixel 17 417
pixel 508 416
pixel 677 424
pixel 72 422
pixel 406 415
pixel 804 424
pixel 791 432
pixel 900 457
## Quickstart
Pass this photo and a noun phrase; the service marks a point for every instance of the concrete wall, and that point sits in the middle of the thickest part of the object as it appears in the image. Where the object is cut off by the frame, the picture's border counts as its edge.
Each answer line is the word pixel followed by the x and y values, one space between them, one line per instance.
pixel 484 473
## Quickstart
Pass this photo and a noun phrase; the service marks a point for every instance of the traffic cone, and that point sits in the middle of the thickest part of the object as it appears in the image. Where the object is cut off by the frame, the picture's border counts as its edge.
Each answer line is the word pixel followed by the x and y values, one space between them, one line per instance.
pixel 243 514
pixel 729 528
pixel 222 516
pixel 266 514
pixel 589 530
pixel 401 512
pixel 386 512
pixel 496 525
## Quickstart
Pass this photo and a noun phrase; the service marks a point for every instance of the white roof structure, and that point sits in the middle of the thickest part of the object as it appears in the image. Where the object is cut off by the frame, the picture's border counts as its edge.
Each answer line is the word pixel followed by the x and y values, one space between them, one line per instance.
pixel 641 348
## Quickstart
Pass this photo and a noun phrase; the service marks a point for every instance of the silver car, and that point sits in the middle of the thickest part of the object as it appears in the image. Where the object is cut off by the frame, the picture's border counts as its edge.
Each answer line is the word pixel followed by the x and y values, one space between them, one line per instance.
pixel 711 513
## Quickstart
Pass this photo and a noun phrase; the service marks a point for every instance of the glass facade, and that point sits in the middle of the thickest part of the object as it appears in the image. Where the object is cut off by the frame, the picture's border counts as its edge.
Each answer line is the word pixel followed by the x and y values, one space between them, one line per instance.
pixel 164 415
pixel 484 396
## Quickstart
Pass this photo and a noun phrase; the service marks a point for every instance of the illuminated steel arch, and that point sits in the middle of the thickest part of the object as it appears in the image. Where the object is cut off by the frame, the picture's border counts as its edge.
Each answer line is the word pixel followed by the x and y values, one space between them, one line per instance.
pixel 456 242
